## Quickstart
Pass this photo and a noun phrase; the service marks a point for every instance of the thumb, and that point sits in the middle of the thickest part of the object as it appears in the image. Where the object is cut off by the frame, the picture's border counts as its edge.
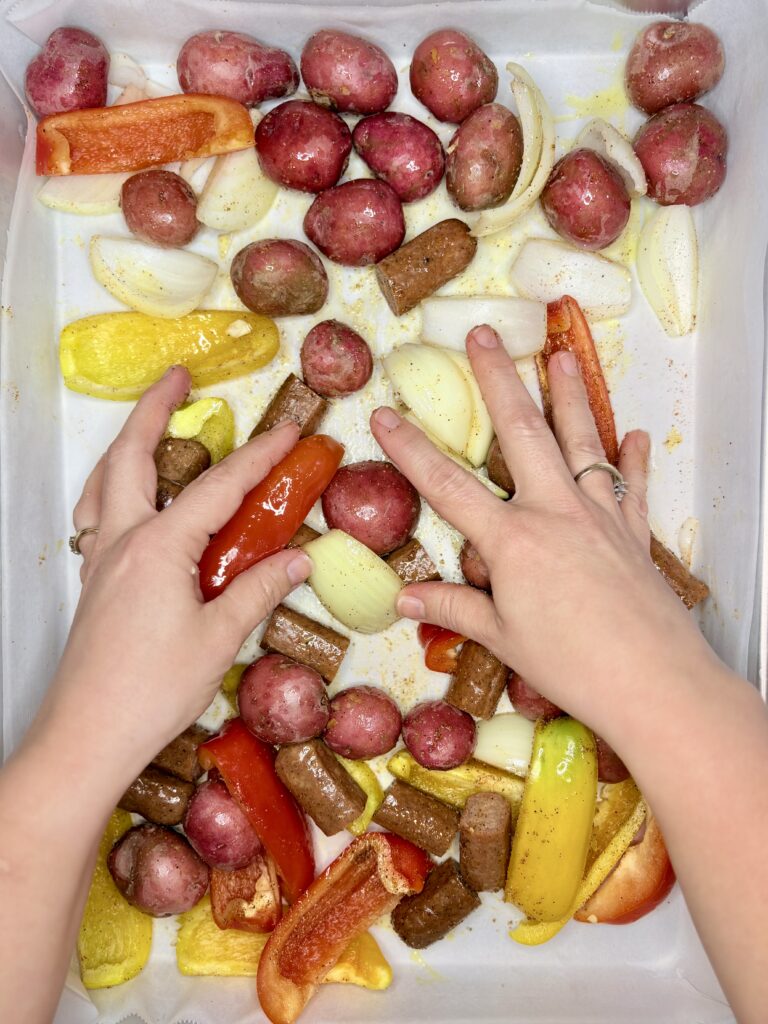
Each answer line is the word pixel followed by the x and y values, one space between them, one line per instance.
pixel 254 594
pixel 452 605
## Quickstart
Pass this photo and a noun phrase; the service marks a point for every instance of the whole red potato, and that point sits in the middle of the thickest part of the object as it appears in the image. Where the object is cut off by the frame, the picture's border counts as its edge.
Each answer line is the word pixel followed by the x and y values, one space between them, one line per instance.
pixel 335 360
pixel 303 146
pixel 364 722
pixel 585 200
pixel 673 62
pixel 373 502
pixel 69 73
pixel 529 702
pixel 438 735
pixel 484 158
pixel 347 73
pixel 357 223
pixel 402 151
pixel 160 207
pixel 279 277
pixel 157 870
pixel 281 701
pixel 452 76
pixel 232 64
pixel 218 830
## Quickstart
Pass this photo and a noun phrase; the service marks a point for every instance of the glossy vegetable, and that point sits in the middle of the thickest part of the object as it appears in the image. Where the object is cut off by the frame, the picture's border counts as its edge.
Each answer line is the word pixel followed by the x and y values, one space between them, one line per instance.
pixel 302 146
pixel 356 223
pixel 373 502
pixel 451 75
pixel 279 277
pixel 668 268
pixel 364 722
pixel 441 646
pixel 160 207
pixel 233 64
pixel 271 513
pixel 585 200
pixel 248 898
pixel 209 421
pixel 506 741
pixel 83 194
pixel 551 842
pixel 673 62
pixel 520 323
pixel 217 828
pixel 439 735
pixel 366 779
pixel 484 158
pixel 156 870
pixel 402 151
pixel 609 143
pixel 69 73
pixel 237 193
pixel 133 136
pixel 480 426
pixel 282 701
pixel 118 355
pixel 456 785
pixel 345 72
pixel 335 360
pixel 230 683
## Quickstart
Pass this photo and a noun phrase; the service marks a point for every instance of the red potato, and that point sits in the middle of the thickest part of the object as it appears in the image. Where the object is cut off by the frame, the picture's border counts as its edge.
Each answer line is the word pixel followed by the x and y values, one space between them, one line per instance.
pixel 683 150
pixel 279 277
pixel 452 76
pixel 610 767
pixel 357 223
pixel 347 73
pixel 69 73
pixel 160 207
pixel 157 870
pixel 402 151
pixel 438 735
pixel 484 158
pixel 281 701
pixel 335 360
pixel 373 502
pixel 673 62
pixel 473 567
pixel 498 471
pixel 585 200
pixel 529 702
pixel 364 722
pixel 303 146
pixel 233 64
pixel 218 831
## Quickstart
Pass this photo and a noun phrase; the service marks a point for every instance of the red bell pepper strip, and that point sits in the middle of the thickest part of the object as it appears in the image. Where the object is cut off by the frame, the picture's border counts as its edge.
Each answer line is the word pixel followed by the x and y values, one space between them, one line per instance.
pixel 247 767
pixel 248 898
pixel 441 646
pixel 271 513
pixel 144 134
pixel 366 881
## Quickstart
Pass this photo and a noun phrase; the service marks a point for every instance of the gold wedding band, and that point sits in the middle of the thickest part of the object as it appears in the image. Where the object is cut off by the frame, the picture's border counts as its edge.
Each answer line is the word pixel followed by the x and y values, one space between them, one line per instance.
pixel 74 540
pixel 619 483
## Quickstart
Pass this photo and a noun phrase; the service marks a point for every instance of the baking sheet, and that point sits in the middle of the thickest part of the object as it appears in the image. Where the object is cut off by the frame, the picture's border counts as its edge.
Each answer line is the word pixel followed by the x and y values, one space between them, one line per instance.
pixel 700 397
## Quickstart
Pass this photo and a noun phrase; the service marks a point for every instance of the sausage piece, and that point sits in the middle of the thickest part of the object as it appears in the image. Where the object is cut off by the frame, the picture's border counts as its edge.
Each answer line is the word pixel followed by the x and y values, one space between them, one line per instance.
pixel 442 904
pixel 158 796
pixel 412 563
pixel 293 401
pixel 303 535
pixel 321 785
pixel 416 816
pixel 179 757
pixel 306 641
pixel 181 460
pixel 688 587
pixel 485 838
pixel 426 263
pixel 478 682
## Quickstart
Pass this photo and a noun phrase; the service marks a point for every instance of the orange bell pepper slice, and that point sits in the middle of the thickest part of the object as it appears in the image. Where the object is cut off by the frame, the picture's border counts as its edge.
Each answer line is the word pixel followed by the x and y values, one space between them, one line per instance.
pixel 144 134
pixel 366 881
pixel 248 898
pixel 441 646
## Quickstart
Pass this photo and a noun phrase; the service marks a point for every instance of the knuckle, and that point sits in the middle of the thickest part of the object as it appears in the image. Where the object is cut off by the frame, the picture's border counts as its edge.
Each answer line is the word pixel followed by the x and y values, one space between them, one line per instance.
pixel 524 421
pixel 583 444
pixel 441 477
pixel 636 504
pixel 117 450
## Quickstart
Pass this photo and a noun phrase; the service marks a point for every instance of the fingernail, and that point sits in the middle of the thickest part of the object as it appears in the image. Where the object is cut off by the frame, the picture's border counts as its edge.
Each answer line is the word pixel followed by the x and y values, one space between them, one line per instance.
pixel 568 363
pixel 387 418
pixel 298 568
pixel 410 607
pixel 484 336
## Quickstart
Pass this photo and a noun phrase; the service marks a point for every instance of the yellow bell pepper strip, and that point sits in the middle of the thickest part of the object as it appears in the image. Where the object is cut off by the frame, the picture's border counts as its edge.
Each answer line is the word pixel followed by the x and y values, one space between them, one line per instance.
pixel 366 779
pixel 132 136
pixel 115 938
pixel 230 684
pixel 209 421
pixel 618 816
pixel 118 355
pixel 202 949
pixel 552 837
pixel 456 785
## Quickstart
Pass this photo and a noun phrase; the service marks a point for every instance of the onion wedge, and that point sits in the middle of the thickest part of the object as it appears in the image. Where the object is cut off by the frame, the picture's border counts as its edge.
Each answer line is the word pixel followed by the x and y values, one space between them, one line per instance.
pixel 159 282
pixel 668 268
pixel 237 193
pixel 90 194
pixel 616 148
pixel 520 323
pixel 458 459
pixel 505 741
pixel 481 430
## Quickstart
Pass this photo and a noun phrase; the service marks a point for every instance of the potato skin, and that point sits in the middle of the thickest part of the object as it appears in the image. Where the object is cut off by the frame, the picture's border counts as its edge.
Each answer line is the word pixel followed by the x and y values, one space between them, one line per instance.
pixel 673 62
pixel 160 207
pixel 529 702
pixel 364 722
pixel 585 200
pixel 335 360
pixel 484 158
pixel 402 151
pixel 345 72
pixel 236 65
pixel 281 701
pixel 279 277
pixel 610 767
pixel 69 73
pixel 357 223
pixel 438 735
pixel 683 150
pixel 498 471
pixel 156 870
pixel 218 830
pixel 452 76
pixel 373 502
pixel 302 146
pixel 473 567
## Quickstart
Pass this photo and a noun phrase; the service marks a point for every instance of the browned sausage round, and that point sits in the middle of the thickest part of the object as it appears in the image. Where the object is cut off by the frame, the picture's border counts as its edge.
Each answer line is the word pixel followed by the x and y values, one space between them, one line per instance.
pixel 233 64
pixel 484 158
pixel 673 62
pixel 451 75
pixel 357 223
pixel 473 567
pixel 439 735
pixel 218 830
pixel 364 722
pixel 157 870
pixel 279 277
pixel 529 702
pixel 347 73
pixel 335 360
pixel 160 207
pixel 303 146
pixel 281 701
pixel 373 502
pixel 402 151
pixel 585 200
pixel 69 73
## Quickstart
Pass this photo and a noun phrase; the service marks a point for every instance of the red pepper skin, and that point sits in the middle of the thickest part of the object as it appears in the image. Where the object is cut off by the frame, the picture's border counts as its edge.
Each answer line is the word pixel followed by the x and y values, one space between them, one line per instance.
pixel 248 898
pixel 442 651
pixel 426 631
pixel 367 880
pixel 247 767
pixel 271 513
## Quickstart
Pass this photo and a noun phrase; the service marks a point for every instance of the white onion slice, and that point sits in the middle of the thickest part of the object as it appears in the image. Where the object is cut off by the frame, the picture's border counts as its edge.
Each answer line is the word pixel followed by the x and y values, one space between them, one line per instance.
pixel 521 323
pixel 668 268
pixel 90 194
pixel 505 741
pixel 159 282
pixel 130 94
pixel 546 270
pixel 237 193
pixel 686 538
pixel 481 428
pixel 195 172
pixel 616 148
pixel 125 71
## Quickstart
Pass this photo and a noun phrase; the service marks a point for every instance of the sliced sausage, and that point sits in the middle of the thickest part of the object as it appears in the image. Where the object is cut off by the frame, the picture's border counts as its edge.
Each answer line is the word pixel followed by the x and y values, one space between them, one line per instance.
pixel 306 641
pixel 412 563
pixel 321 785
pixel 426 263
pixel 478 682
pixel 303 535
pixel 158 796
pixel 293 401
pixel 442 904
pixel 181 460
pixel 179 757
pixel 416 816
pixel 485 838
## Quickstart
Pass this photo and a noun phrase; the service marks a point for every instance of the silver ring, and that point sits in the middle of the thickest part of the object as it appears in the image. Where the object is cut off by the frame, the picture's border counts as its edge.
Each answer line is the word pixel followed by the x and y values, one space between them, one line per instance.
pixel 619 483
pixel 74 540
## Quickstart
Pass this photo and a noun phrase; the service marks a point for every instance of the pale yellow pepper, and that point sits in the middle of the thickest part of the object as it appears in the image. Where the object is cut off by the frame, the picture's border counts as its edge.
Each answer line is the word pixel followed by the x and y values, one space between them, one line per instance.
pixel 366 779
pixel 209 421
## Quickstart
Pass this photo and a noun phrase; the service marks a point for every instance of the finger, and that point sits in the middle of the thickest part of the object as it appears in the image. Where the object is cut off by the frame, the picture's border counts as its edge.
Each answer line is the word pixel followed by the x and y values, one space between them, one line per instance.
pixel 206 504
pixel 87 511
pixel 254 594
pixel 526 441
pixel 454 606
pixel 130 478
pixel 633 466
pixel 451 491
pixel 575 428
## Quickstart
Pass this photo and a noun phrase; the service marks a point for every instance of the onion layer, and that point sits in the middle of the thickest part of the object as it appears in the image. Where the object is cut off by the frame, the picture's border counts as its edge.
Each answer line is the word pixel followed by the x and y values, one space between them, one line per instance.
pixel 668 268
pixel 520 323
